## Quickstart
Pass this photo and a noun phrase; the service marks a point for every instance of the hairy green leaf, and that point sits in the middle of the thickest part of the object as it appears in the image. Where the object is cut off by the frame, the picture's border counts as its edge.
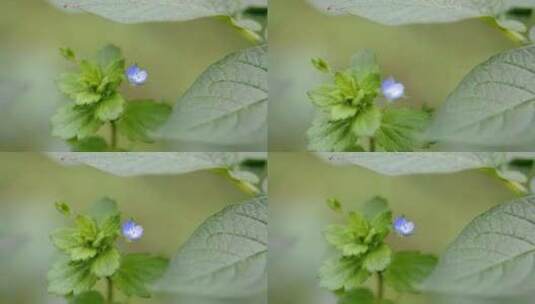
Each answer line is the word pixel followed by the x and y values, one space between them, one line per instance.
pixel 401 129
pixel 493 255
pixel 493 106
pixel 408 270
pixel 326 135
pixel 66 278
pixel 90 297
pixel 227 104
pixel 378 259
pixel 424 162
pixel 106 263
pixel 142 117
pixel 225 257
pixel 397 12
pixel 138 270
pixel 110 108
pixel 89 144
pixel 72 121
pixel 127 11
pixel 357 296
pixel 132 164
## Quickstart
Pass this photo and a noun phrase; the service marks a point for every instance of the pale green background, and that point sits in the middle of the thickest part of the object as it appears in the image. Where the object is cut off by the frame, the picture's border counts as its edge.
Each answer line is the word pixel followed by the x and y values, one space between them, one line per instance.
pixel 429 59
pixel 32 31
pixel 169 207
pixel 440 205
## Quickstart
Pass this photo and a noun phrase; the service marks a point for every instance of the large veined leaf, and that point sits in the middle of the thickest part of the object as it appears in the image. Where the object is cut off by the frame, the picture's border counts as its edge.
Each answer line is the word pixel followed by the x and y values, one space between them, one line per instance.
pixel 227 104
pixel 225 257
pixel 493 106
pixel 493 255
pixel 397 12
pixel 132 164
pixel 135 11
pixel 423 162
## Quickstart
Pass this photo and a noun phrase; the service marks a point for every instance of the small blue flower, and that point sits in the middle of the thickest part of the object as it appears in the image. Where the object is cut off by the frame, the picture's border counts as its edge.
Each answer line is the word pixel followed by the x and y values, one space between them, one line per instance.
pixel 391 89
pixel 132 230
pixel 136 75
pixel 403 226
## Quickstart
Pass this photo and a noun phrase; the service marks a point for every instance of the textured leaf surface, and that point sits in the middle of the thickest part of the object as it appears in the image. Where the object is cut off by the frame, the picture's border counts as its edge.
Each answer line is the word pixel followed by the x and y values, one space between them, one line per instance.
pixel 131 164
pixel 397 12
pixel 493 255
pixel 494 105
pixel 423 162
pixel 138 270
pixel 135 11
pixel 225 257
pixel 227 104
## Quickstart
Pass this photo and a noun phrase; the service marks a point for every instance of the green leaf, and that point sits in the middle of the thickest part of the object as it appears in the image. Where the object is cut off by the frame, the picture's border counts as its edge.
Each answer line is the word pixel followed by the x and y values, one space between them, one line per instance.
pixel 326 135
pixel 106 263
pixel 104 210
pixel 374 207
pixel 82 253
pixel 142 117
pixel 342 111
pixel 87 98
pixel 343 239
pixel 227 104
pixel 66 278
pixel 342 273
pixel 109 55
pixel 68 54
pixel 381 226
pixel 176 10
pixel 66 238
pixel 72 121
pixel 90 297
pixel 408 270
pixel 367 122
pixel 138 270
pixel 110 108
pixel 398 12
pixel 357 296
pixel 71 84
pixel 91 73
pixel 492 256
pixel 424 163
pixel 366 69
pixel 358 224
pixel 334 205
pixel 225 257
pixel 493 105
pixel 87 227
pixel 401 129
pixel 326 95
pixel 133 164
pixel 89 144
pixel 321 65
pixel 63 208
pixel 378 259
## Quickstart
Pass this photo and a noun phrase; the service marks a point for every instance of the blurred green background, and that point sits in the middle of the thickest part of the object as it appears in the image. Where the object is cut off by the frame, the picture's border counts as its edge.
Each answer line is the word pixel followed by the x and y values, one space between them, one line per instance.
pixel 440 205
pixel 429 59
pixel 32 31
pixel 169 207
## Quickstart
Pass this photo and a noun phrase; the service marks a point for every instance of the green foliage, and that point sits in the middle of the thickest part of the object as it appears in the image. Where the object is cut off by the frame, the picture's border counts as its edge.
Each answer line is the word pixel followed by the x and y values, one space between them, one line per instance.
pixel 136 271
pixel 90 253
pixel 235 242
pixel 362 252
pixel 141 117
pixel 492 255
pixel 408 270
pixel 96 102
pixel 350 116
pixel 492 106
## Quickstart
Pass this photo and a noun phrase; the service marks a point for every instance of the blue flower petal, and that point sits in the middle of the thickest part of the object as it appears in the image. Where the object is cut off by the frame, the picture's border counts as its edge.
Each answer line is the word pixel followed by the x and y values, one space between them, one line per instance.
pixel 391 89
pixel 132 231
pixel 136 75
pixel 403 226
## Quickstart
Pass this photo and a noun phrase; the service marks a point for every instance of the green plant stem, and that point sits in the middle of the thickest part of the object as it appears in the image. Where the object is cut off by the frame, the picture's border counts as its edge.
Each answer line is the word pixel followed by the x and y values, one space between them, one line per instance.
pixel 110 290
pixel 113 135
pixel 380 287
pixel 372 144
